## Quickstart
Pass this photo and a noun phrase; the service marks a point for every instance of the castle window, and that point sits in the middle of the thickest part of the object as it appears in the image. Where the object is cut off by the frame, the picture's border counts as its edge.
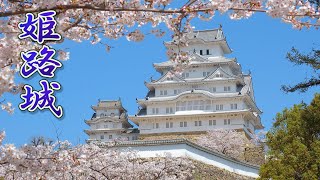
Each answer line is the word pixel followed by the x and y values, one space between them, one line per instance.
pixel 193 105
pixel 213 89
pixel 169 124
pixel 169 78
pixel 177 91
pixel 201 52
pixel 234 106
pixel 101 136
pixel 97 126
pixel 163 92
pixel 155 110
pixel 219 107
pixel 169 110
pixel 206 74
pixel 105 126
pixel 208 52
pixel 110 136
pixel 181 106
pixel 227 122
pixel 198 123
pixel 219 75
pixel 183 124
pixel 185 75
pixel 226 88
pixel 157 125
pixel 212 122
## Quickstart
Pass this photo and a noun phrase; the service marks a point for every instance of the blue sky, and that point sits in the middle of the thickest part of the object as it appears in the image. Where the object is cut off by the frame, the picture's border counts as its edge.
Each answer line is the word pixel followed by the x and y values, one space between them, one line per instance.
pixel 260 44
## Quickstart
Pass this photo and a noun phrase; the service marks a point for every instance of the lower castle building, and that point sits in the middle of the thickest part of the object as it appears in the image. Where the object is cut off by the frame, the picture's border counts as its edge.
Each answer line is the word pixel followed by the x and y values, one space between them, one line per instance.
pixel 110 123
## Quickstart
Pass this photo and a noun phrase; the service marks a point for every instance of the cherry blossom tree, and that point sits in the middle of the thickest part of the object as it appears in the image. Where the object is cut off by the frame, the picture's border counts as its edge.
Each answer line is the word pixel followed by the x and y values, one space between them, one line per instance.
pixel 99 20
pixel 225 141
pixel 50 161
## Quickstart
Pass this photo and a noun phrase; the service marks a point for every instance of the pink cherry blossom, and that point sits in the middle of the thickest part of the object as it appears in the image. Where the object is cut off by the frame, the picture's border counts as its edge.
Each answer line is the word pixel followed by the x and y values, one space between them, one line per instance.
pixel 61 161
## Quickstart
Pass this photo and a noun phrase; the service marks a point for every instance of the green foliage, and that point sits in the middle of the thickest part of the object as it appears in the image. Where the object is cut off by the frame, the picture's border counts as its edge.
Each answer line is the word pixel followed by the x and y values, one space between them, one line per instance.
pixel 294 144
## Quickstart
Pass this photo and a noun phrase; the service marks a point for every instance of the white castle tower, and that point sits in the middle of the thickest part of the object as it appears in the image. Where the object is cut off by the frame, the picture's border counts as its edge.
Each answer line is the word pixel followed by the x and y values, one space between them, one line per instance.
pixel 210 93
pixel 110 122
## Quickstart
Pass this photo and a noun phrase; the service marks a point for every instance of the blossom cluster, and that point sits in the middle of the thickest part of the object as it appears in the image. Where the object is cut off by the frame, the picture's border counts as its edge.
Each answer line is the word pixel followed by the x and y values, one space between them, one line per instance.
pixel 61 161
pixel 228 142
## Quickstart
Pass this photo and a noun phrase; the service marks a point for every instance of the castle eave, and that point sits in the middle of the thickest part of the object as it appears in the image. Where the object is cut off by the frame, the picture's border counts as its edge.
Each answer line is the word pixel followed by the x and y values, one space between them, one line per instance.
pixel 91 131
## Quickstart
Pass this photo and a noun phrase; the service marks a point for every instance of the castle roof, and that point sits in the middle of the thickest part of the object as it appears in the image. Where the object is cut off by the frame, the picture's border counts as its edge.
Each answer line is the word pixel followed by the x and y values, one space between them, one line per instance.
pixel 109 104
pixel 204 37
pixel 198 60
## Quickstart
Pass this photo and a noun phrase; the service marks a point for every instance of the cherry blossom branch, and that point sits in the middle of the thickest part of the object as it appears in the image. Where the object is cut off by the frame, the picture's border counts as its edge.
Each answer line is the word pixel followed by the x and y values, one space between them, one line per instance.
pixel 121 9
pixel 73 24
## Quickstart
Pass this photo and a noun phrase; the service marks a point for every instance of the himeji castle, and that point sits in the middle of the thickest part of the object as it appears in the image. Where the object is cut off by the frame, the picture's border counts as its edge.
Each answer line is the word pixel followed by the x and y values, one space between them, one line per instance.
pixel 110 122
pixel 211 92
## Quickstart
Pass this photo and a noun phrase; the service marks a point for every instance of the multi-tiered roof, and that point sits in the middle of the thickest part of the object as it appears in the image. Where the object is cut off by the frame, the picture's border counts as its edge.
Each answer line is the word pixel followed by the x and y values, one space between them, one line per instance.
pixel 212 92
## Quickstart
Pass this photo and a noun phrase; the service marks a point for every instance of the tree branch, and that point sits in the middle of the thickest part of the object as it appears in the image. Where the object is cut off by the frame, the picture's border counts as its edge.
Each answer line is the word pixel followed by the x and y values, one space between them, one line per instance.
pixel 124 9
pixel 302 87
pixel 312 60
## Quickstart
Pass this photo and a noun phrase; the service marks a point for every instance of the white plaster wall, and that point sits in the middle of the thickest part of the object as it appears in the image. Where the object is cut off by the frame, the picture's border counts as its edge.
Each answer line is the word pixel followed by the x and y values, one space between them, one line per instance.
pixel 107 112
pixel 226 106
pixel 115 136
pixel 215 50
pixel 110 125
pixel 205 86
pixel 149 127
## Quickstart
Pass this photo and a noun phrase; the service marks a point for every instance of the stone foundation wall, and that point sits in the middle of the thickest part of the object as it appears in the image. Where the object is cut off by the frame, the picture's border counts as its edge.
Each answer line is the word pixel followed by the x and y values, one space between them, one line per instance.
pixel 254 155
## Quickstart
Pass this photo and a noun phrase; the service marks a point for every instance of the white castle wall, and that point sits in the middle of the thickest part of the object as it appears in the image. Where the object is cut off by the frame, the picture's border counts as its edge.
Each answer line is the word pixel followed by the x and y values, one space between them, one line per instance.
pixel 183 148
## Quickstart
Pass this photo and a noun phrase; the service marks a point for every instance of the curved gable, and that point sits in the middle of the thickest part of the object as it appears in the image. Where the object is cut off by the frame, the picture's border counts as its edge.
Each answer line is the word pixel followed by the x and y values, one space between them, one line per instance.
pixel 219 73
pixel 193 93
pixel 169 77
